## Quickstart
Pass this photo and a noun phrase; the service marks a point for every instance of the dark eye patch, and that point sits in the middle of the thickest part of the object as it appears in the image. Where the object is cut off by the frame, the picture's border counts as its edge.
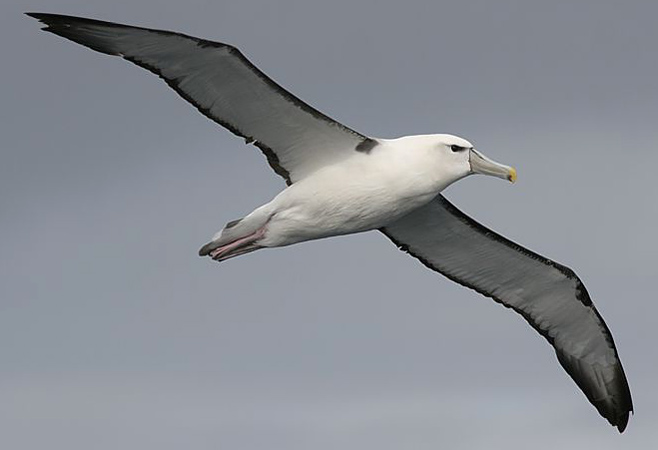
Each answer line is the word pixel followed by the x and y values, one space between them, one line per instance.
pixel 457 148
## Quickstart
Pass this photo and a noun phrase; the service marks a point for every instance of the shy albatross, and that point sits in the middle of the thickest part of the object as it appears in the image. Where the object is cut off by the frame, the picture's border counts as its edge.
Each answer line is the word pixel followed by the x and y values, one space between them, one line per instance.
pixel 341 181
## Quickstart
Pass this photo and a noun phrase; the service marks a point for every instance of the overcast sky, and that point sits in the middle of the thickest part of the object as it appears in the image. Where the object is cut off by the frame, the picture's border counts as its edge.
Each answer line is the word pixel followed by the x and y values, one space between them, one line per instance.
pixel 115 334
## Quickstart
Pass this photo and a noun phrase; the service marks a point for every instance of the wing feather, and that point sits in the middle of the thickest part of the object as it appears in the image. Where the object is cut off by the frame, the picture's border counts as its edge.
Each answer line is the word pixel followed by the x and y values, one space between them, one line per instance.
pixel 227 88
pixel 548 295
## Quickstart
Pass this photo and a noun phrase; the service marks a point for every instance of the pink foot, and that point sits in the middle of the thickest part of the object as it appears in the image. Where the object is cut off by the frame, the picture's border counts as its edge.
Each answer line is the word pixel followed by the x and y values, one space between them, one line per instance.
pixel 238 247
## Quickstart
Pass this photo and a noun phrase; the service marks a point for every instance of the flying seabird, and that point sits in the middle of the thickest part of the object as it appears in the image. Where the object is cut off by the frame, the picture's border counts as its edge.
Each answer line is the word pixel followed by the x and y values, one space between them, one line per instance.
pixel 341 182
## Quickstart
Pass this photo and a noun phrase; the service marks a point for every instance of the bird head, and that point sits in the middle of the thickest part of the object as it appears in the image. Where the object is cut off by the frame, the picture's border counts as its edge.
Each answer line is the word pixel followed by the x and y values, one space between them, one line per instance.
pixel 459 154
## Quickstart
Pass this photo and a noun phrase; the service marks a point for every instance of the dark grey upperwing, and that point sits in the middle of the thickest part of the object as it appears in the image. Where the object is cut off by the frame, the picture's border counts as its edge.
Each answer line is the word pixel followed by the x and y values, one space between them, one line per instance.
pixel 227 88
pixel 548 295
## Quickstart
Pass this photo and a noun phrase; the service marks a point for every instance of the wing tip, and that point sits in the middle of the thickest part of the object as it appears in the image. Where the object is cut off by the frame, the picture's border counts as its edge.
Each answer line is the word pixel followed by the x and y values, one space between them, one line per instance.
pixel 41 17
pixel 79 30
pixel 619 407
pixel 50 19
pixel 622 420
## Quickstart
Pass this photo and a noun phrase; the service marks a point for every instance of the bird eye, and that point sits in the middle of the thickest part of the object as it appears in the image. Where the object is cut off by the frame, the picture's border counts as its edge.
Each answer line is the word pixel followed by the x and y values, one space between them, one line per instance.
pixel 457 148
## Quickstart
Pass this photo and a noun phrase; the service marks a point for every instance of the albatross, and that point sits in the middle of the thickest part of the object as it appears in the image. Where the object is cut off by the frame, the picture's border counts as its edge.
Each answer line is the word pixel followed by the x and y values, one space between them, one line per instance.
pixel 340 181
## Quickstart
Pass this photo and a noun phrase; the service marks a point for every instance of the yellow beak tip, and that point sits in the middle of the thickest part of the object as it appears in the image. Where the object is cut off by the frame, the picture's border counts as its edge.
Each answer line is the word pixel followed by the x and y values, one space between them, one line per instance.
pixel 512 175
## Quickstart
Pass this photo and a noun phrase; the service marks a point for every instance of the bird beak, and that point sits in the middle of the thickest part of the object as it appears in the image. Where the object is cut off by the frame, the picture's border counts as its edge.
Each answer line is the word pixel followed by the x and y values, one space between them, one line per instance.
pixel 485 166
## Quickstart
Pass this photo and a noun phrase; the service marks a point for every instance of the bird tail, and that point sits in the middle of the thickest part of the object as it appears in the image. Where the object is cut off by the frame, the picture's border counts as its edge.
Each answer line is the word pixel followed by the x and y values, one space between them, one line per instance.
pixel 238 237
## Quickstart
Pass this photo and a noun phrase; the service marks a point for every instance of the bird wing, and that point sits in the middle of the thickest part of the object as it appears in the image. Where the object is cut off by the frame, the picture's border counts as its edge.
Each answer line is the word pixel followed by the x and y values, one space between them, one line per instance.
pixel 227 88
pixel 548 295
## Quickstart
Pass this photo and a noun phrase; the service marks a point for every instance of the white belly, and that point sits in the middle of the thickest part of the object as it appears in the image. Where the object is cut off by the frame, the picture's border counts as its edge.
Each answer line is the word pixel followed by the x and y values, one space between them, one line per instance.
pixel 349 198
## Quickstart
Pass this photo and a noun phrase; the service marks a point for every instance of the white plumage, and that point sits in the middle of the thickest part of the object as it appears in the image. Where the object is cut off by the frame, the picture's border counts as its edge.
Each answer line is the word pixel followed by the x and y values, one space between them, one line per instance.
pixel 341 181
pixel 363 191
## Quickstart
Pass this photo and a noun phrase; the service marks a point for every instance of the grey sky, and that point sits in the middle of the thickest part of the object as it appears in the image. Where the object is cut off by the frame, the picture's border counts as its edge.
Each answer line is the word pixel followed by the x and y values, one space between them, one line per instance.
pixel 116 335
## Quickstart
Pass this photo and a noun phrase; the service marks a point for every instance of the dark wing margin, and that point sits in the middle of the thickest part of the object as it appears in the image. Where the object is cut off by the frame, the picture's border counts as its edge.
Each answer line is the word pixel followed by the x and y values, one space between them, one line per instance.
pixel 227 88
pixel 548 295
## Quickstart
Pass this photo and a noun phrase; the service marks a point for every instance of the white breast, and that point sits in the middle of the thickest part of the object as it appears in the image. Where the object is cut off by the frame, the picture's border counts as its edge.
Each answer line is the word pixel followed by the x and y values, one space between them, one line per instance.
pixel 362 193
